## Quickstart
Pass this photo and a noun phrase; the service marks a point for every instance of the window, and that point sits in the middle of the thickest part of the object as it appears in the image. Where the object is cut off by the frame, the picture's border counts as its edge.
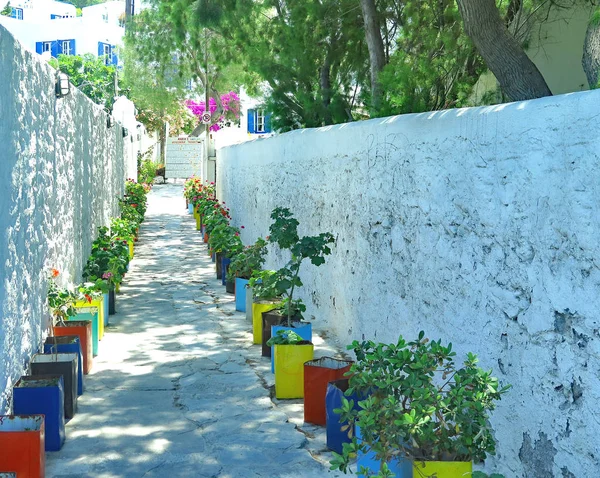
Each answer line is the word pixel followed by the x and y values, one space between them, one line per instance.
pixel 66 47
pixel 107 54
pixel 260 121
pixel 46 46
pixel 17 13
pixel 105 17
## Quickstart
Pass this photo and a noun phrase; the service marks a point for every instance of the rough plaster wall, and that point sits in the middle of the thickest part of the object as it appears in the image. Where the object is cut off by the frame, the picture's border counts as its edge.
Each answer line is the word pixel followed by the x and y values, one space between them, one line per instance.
pixel 61 171
pixel 479 226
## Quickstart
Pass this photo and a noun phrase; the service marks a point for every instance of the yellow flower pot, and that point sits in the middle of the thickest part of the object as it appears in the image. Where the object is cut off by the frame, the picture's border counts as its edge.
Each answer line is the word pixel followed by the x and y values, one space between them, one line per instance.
pixel 198 222
pixel 289 369
pixel 442 469
pixel 97 304
pixel 257 310
pixel 130 244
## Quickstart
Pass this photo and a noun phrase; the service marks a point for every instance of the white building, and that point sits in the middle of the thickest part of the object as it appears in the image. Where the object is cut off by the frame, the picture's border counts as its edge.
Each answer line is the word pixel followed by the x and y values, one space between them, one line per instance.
pixel 48 26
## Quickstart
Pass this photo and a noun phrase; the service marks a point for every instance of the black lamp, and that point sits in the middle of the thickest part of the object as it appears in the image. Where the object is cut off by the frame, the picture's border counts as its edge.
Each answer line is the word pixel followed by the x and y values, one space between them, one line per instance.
pixel 63 86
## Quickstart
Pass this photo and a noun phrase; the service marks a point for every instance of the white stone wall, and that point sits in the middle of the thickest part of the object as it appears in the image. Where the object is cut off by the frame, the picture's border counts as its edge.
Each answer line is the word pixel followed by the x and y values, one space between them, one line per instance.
pixel 61 171
pixel 479 226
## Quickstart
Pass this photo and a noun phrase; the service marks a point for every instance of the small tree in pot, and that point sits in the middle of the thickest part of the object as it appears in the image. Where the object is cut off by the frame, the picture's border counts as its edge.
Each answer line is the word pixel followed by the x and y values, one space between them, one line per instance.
pixel 284 232
pixel 420 407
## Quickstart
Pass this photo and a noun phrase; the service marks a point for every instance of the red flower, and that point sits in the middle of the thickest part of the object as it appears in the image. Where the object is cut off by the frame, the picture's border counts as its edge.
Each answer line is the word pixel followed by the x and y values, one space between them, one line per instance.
pixel 55 273
pixel 242 227
pixel 268 237
pixel 88 297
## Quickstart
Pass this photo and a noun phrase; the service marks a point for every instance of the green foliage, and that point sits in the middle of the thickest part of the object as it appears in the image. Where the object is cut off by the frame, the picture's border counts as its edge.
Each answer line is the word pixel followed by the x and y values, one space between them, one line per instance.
pixel 418 403
pixel 83 3
pixel 61 301
pixel 90 75
pixel 284 232
pixel 285 337
pixel 250 259
pixel 7 10
pixel 147 171
pixel 264 285
pixel 225 239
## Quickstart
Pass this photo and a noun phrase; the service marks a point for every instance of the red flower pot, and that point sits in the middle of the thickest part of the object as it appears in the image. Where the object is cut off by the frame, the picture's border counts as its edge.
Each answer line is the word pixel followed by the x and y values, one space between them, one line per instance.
pixel 317 374
pixel 22 445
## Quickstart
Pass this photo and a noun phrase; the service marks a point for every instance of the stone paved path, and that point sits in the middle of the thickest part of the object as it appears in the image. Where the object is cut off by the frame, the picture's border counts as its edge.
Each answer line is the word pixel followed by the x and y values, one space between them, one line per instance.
pixel 177 389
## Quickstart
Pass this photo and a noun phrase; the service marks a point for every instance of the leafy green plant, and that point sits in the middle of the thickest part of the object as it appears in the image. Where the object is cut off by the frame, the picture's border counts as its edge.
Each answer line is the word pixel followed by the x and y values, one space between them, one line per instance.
pixel 285 337
pixel 284 232
pixel 419 404
pixel 225 239
pixel 61 301
pixel 264 285
pixel 6 11
pixel 250 259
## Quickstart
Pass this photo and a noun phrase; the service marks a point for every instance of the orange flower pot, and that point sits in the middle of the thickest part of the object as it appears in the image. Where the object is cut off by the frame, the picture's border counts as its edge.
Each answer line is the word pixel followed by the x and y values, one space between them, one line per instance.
pixel 22 445
pixel 83 329
pixel 317 374
pixel 205 238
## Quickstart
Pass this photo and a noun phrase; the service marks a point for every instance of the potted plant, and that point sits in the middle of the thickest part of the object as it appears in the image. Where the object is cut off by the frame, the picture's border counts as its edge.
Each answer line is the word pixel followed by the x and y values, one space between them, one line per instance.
pixel 65 364
pixel 421 409
pixel 338 431
pixel 43 395
pixel 264 292
pixel 61 303
pixel 284 232
pixel 225 242
pixel 317 374
pixel 241 267
pixel 67 344
pixel 22 445
pixel 291 352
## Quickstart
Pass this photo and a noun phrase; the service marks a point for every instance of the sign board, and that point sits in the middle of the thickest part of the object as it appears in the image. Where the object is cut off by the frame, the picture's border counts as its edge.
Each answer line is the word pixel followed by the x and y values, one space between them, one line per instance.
pixel 206 118
pixel 184 157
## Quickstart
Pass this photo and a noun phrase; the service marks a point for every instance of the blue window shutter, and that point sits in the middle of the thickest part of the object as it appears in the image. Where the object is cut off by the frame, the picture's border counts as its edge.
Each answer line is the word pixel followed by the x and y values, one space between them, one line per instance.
pixel 39 47
pixel 13 12
pixel 72 42
pixel 268 123
pixel 54 48
pixel 251 121
pixel 52 16
pixel 115 58
pixel 100 48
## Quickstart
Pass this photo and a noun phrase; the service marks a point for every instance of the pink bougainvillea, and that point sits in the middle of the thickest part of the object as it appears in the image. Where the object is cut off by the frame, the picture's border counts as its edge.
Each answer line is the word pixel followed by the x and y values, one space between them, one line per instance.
pixel 231 109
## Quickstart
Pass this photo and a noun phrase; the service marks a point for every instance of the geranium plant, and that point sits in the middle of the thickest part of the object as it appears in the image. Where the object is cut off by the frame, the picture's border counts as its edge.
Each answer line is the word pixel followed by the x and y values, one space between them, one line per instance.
pixel 249 260
pixel 419 404
pixel 225 239
pixel 61 301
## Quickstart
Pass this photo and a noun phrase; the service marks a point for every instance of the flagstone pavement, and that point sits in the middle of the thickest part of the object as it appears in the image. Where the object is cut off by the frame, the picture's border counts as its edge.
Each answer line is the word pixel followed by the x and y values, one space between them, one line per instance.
pixel 178 389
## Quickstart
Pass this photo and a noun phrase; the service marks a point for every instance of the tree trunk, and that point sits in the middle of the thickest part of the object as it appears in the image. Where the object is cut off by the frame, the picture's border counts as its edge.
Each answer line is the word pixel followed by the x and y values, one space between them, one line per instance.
pixel 519 78
pixel 128 9
pixel 376 49
pixel 591 52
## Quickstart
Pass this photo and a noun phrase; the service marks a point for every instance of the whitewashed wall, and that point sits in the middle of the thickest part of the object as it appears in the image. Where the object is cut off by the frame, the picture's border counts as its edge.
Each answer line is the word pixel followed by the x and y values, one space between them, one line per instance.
pixel 61 171
pixel 481 227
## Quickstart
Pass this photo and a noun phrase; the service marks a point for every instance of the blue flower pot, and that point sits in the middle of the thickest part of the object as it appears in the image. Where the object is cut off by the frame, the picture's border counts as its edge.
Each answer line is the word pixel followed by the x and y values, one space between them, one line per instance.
pixel 240 294
pixel 402 468
pixel 190 208
pixel 106 313
pixel 67 344
pixel 213 257
pixel 225 261
pixel 303 329
pixel 333 399
pixel 43 395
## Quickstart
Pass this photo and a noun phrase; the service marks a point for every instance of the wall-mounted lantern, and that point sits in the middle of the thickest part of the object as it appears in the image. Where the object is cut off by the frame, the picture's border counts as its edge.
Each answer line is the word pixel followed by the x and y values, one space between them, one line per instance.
pixel 63 86
pixel 125 132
